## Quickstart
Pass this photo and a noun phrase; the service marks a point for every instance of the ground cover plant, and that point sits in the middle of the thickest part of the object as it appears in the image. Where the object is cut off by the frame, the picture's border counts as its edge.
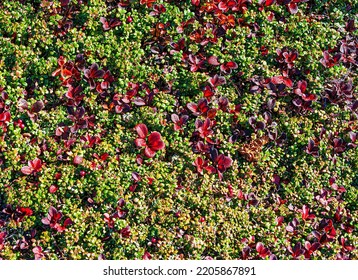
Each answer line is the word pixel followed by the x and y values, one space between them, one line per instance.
pixel 197 129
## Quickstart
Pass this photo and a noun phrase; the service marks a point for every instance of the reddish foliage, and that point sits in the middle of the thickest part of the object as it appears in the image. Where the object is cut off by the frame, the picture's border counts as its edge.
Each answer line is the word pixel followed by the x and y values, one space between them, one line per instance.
pixel 53 218
pixel 32 167
pixel 152 144
pixel 109 24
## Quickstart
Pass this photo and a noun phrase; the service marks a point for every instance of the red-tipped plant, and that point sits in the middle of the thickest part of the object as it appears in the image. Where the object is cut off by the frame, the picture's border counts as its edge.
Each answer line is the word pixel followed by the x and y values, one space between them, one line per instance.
pixel 53 218
pixel 152 143
pixel 179 122
pixel 312 148
pixel 262 250
pixel 93 73
pixel 33 167
pixel 109 24
pixel 38 253
pixel 306 213
pixel 227 67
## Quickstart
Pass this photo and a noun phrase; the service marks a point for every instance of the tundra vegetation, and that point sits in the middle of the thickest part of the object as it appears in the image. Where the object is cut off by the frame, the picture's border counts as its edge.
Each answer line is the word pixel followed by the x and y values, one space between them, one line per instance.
pixel 191 129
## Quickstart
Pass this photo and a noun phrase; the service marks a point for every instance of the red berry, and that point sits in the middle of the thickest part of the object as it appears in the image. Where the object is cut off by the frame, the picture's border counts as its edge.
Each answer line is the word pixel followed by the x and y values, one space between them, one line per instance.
pixel 58 176
pixel 82 173
pixel 22 126
pixel 129 19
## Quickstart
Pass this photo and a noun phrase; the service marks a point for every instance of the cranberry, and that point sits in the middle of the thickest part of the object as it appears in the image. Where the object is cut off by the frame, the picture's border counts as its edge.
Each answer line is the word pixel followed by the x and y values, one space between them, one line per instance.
pixel 82 173
pixel 58 176
pixel 129 19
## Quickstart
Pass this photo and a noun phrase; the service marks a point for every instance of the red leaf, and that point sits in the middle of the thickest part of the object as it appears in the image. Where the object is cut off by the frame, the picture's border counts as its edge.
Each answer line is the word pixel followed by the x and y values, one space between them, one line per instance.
pixel 332 180
pixel 133 187
pixel 146 255
pixel 64 2
pixel 293 8
pixel 305 213
pixel 203 105
pixel 104 156
pixel 302 85
pixel 56 72
pixel 175 118
pixel 213 60
pixel 308 97
pixel 45 221
pixel 193 107
pixel 104 21
pixel 65 73
pixel 77 160
pixel 208 92
pixel 107 25
pixel 155 142
pixel 53 189
pixel 199 163
pixel 231 65
pixel 279 220
pixel 276 180
pixel 193 68
pixel 270 16
pixel 140 142
pixel 27 170
pixel 136 177
pixel 125 232
pixel 61 60
pixel 139 101
pixel 67 222
pixel 36 164
pixel 25 211
pixel 52 211
pixel 149 3
pixel 37 107
pixel 217 80
pixel 149 152
pixel 259 247
pixel 206 124
pixel 5 117
pixel 211 169
pixel 263 252
pixel 288 82
pixel 142 130
pixel 223 162
pixel 211 113
pixel 38 253
pixel 277 80
pixel 57 216
pixel 139 159
pixel 93 72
